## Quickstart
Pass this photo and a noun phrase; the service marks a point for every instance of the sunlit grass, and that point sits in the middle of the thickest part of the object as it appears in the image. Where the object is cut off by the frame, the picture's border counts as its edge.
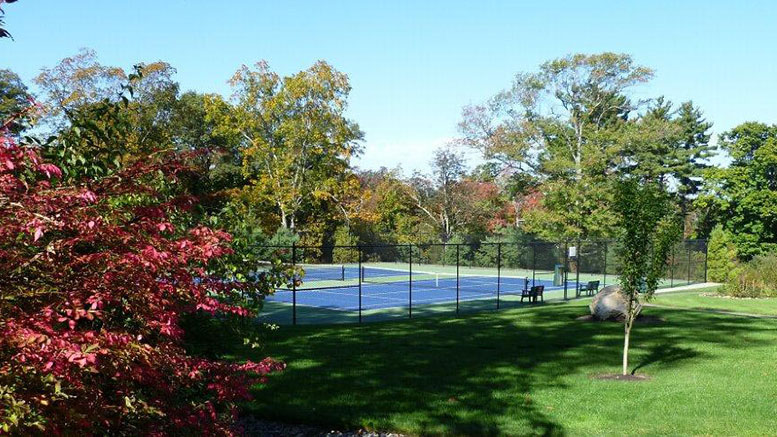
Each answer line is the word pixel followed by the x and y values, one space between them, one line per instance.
pixel 709 299
pixel 528 371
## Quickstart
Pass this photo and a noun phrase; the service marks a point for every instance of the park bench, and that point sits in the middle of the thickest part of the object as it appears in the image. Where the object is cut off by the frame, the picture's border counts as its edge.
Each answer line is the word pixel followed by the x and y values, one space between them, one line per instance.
pixel 589 289
pixel 533 292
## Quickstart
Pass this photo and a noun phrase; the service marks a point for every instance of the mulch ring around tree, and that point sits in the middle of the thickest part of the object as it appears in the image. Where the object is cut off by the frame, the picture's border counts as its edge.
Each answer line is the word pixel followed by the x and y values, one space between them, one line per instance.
pixel 643 319
pixel 620 377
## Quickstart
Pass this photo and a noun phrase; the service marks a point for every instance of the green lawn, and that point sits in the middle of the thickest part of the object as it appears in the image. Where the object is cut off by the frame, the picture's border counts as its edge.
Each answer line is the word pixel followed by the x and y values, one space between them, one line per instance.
pixel 703 300
pixel 527 371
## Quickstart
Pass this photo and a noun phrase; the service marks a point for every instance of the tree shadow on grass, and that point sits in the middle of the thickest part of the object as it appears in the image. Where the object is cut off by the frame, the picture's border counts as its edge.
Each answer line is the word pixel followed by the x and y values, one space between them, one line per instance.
pixel 473 375
pixel 665 354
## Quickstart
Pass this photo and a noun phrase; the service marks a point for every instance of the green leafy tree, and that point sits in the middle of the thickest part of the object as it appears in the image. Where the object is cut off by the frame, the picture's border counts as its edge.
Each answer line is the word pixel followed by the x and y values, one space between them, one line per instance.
pixel 14 100
pixel 95 138
pixel 344 237
pixel 192 128
pixel 296 143
pixel 515 249
pixel 721 256
pixel 560 125
pixel 743 197
pixel 649 228
pixel 670 146
pixel 694 151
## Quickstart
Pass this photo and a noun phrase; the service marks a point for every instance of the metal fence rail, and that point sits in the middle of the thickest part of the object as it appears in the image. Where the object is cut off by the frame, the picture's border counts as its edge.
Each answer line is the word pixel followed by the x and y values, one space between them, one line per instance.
pixel 337 284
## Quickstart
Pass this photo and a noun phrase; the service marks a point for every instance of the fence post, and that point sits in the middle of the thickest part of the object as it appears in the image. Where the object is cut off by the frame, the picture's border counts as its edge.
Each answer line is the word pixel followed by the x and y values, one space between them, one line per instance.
pixel 498 272
pixel 533 262
pixel 706 255
pixel 457 278
pixel 294 283
pixel 359 249
pixel 605 264
pixel 671 268
pixel 688 247
pixel 578 259
pixel 566 267
pixel 410 283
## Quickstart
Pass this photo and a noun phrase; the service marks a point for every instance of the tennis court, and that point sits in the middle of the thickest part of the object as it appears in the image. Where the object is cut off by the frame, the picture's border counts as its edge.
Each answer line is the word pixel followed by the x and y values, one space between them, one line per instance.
pixel 344 284
pixel 345 287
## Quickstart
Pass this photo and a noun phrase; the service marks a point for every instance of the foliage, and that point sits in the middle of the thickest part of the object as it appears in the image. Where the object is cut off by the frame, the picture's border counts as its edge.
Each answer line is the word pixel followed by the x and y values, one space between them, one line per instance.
pixel 721 256
pixel 3 32
pixel 74 82
pixel 104 119
pixel 559 126
pixel 296 143
pixel 649 229
pixel 515 251
pixel 756 278
pixel 344 237
pixel 466 253
pixel 743 197
pixel 94 281
pixel 15 99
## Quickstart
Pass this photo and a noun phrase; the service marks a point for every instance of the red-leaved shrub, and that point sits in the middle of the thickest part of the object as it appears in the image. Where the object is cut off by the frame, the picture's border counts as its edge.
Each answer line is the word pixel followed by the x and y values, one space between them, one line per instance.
pixel 93 282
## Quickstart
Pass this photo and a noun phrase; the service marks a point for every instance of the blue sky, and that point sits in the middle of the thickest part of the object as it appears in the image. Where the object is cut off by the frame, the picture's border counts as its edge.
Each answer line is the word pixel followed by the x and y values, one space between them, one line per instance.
pixel 414 64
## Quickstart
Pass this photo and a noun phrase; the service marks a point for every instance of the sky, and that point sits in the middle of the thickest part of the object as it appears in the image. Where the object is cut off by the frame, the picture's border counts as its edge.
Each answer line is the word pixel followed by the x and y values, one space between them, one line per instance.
pixel 413 65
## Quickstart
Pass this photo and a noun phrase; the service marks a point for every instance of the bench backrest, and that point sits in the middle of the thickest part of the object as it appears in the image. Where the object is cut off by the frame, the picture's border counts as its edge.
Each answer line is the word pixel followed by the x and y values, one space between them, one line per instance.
pixel 538 289
pixel 593 285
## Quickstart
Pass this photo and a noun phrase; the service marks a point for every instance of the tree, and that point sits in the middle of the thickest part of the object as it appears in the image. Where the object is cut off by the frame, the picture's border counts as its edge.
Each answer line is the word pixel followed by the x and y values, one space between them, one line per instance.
pixel 94 282
pixel 743 197
pixel 193 129
pixel 74 82
pixel 671 146
pixel 649 229
pixel 81 85
pixel 694 151
pixel 14 100
pixel 296 143
pixel 559 125
pixel 439 197
pixel 721 256
pixel 97 137
pixel 382 212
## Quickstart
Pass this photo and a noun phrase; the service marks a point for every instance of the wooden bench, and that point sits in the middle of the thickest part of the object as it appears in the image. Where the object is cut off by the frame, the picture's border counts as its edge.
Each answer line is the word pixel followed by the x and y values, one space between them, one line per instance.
pixel 589 289
pixel 533 292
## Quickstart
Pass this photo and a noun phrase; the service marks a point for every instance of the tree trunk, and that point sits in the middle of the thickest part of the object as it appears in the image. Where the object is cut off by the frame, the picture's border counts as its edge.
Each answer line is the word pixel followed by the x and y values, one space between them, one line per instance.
pixel 626 348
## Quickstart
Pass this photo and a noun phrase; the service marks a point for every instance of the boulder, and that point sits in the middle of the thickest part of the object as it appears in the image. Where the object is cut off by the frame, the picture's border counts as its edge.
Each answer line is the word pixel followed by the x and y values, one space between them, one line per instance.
pixel 610 304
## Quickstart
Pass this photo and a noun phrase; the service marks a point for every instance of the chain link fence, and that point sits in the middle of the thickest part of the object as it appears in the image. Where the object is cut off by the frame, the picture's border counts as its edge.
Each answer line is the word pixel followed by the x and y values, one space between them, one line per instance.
pixel 354 284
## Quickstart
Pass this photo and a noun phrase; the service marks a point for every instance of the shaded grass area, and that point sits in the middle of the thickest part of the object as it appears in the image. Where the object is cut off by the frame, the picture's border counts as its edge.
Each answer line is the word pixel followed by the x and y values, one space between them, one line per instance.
pixel 527 371
pixel 706 300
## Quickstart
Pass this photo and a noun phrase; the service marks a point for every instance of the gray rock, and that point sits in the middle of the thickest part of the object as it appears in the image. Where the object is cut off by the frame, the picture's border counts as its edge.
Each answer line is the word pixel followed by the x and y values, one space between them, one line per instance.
pixel 610 304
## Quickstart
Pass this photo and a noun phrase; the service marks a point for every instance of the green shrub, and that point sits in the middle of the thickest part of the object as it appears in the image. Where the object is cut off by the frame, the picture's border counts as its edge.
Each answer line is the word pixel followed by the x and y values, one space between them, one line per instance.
pixel 344 237
pixel 757 278
pixel 722 264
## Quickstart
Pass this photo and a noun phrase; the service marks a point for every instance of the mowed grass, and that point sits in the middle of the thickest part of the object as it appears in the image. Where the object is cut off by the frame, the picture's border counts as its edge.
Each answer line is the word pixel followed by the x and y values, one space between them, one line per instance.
pixel 708 300
pixel 527 371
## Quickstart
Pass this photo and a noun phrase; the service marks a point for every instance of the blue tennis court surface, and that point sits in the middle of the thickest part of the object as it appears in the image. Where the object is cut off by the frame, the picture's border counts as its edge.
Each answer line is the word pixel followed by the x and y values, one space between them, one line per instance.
pixel 337 288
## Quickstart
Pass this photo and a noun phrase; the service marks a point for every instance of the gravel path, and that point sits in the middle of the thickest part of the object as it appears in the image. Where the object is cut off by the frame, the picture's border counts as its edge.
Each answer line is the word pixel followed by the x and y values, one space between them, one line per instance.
pixel 255 427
